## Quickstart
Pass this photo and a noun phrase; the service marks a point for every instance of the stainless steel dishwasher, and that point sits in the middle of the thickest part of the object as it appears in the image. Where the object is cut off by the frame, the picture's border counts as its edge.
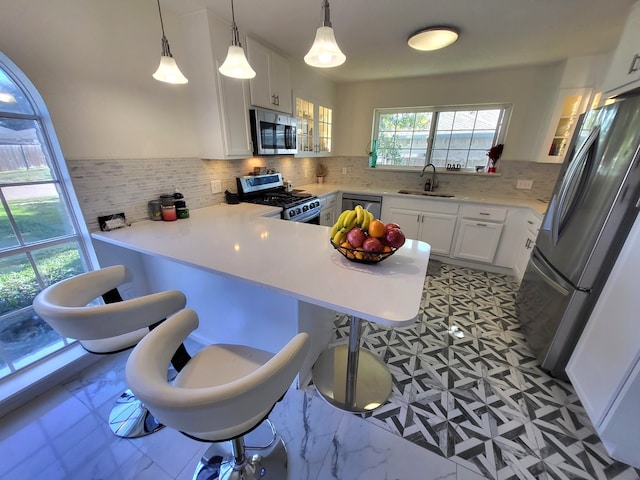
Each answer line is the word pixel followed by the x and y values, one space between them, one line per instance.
pixel 373 203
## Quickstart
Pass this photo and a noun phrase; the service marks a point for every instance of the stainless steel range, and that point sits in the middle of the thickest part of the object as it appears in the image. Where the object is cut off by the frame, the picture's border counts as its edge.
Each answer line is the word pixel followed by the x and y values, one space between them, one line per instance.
pixel 270 190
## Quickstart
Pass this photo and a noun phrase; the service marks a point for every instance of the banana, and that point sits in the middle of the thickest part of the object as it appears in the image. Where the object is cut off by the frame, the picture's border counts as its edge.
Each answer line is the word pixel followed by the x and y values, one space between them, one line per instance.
pixel 343 215
pixel 368 219
pixel 334 229
pixel 339 237
pixel 359 214
pixel 349 221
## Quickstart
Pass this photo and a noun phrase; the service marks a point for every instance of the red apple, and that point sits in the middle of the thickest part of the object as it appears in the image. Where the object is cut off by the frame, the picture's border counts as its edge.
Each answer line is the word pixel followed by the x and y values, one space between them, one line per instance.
pixel 356 237
pixel 372 245
pixel 389 226
pixel 395 238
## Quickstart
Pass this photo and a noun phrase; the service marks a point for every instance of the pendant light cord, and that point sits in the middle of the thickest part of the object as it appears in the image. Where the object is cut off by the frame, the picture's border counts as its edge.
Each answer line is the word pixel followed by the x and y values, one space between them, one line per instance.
pixel 235 36
pixel 166 51
pixel 326 22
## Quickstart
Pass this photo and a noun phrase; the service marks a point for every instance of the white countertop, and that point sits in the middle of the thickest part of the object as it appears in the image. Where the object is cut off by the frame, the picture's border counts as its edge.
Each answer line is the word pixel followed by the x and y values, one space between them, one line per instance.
pixel 295 259
pixel 537 206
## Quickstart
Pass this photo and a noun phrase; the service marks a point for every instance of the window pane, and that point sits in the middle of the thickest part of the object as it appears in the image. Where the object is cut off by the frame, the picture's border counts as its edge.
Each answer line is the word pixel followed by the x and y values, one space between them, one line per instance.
pixel 464 121
pixel 387 122
pixel 58 262
pixel 38 212
pixel 460 139
pixel 22 154
pixel 12 99
pixel 7 235
pixel 482 140
pixel 445 120
pixel 406 122
pixel 18 283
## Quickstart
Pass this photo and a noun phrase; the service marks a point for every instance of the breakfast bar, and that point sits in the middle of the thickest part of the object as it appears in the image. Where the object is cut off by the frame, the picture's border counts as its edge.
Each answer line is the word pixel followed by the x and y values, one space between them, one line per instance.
pixel 258 281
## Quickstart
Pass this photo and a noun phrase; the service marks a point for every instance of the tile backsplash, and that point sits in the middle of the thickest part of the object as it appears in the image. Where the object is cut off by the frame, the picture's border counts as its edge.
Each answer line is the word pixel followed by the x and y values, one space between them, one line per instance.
pixel 110 186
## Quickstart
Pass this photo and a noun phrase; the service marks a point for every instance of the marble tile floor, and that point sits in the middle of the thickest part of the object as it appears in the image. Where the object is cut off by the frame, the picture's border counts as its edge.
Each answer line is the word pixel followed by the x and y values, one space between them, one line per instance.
pixel 462 408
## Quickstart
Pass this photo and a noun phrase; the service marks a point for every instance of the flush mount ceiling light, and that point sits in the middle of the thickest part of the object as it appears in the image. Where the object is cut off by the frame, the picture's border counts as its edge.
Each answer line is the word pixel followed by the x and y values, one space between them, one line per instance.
pixel 325 52
pixel 433 38
pixel 236 64
pixel 168 70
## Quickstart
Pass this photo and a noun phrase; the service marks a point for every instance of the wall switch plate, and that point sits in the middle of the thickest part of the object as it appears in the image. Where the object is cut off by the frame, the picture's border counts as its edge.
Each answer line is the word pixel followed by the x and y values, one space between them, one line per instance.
pixel 524 184
pixel 216 186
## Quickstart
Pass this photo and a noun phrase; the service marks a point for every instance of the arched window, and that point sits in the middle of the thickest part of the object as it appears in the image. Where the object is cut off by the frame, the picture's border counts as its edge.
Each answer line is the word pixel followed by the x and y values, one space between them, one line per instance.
pixel 43 238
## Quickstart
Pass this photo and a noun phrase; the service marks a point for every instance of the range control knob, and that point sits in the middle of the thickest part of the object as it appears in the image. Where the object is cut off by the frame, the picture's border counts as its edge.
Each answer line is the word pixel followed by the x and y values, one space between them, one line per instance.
pixel 305 208
pixel 298 210
pixel 292 212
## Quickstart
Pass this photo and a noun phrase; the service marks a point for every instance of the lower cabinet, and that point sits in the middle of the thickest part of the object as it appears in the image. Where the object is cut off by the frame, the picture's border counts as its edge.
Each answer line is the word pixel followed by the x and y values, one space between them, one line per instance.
pixel 328 208
pixel 525 247
pixel 477 241
pixel 436 229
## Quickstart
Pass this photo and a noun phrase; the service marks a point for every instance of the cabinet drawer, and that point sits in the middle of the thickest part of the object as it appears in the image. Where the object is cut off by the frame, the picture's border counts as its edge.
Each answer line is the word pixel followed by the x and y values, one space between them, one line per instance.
pixel 480 212
pixel 533 222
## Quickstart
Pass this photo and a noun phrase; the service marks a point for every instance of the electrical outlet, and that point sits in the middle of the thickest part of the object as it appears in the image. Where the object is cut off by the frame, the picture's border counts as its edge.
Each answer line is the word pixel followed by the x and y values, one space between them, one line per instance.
pixel 344 171
pixel 216 186
pixel 524 184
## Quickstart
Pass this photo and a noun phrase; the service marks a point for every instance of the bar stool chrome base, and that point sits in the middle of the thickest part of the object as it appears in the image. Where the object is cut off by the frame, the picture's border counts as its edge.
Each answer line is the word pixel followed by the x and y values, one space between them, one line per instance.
pixel 352 378
pixel 129 418
pixel 268 462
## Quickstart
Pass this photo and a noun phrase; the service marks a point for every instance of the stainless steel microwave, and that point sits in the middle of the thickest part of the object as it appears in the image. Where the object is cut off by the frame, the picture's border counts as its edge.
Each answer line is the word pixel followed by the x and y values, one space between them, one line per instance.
pixel 273 133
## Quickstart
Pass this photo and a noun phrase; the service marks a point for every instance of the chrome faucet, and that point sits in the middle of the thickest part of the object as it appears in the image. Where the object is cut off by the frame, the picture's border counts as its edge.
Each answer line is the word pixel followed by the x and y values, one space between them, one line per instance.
pixel 430 184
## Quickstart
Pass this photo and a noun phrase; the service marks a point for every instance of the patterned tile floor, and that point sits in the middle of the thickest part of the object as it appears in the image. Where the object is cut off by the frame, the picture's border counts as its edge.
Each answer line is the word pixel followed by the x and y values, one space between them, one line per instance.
pixel 481 400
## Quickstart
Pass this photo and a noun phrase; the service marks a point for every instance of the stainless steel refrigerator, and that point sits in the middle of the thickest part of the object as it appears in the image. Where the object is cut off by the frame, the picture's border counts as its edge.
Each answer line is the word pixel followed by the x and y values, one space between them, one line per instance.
pixel 593 206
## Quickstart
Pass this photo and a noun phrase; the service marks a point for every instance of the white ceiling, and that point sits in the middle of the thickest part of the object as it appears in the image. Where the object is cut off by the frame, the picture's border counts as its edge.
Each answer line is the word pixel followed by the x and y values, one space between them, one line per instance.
pixel 373 33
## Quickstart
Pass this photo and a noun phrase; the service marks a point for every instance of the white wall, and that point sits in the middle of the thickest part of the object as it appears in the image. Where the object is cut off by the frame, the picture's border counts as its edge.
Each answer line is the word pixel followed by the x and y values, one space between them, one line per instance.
pixel 530 90
pixel 92 63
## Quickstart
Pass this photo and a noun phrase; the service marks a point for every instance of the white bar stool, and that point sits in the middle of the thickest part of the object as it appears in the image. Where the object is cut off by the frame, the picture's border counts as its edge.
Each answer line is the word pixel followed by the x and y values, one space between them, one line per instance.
pixel 223 393
pixel 110 328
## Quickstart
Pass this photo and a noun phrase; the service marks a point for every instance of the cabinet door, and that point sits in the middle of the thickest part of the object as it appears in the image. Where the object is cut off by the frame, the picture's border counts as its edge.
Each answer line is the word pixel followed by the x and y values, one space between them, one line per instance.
pixel 279 80
pixel 234 114
pixel 478 241
pixel 259 85
pixel 328 210
pixel 408 220
pixel 524 253
pixel 624 70
pixel 437 230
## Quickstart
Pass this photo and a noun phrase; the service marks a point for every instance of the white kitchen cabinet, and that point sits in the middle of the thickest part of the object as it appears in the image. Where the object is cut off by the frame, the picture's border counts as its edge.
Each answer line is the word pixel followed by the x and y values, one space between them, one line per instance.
pixel 570 104
pixel 315 128
pixel 433 222
pixel 624 71
pixel 221 104
pixel 532 226
pixel 479 231
pixel 328 209
pixel 605 365
pixel 271 87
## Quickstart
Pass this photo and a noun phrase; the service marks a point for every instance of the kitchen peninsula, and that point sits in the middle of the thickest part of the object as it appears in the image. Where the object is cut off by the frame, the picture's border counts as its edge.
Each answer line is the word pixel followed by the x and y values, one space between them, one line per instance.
pixel 258 281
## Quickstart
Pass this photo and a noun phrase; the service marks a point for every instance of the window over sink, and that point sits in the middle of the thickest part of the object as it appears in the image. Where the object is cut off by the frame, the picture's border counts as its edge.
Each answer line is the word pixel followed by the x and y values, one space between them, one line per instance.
pixel 449 135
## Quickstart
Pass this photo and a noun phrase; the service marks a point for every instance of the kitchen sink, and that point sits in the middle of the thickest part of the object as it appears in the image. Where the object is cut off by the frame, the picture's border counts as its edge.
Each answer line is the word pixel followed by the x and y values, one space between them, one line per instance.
pixel 426 194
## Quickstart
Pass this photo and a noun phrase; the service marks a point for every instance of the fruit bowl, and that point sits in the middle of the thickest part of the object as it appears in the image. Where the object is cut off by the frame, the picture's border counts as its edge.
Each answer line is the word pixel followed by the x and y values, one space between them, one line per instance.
pixel 360 256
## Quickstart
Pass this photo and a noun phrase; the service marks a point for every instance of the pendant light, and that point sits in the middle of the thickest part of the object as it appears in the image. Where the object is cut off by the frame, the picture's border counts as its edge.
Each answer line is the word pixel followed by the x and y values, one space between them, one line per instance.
pixel 236 64
pixel 325 52
pixel 168 70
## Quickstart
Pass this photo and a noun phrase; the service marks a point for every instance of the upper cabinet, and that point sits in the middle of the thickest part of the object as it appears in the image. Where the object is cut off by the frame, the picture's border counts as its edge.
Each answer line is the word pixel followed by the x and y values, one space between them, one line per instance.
pixel 271 87
pixel 221 104
pixel 624 71
pixel 314 130
pixel 570 104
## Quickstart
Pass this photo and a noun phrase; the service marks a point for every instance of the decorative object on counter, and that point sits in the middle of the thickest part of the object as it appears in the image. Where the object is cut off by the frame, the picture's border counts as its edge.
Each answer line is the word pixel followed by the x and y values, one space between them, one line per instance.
pixel 112 222
pixel 325 52
pixel 155 210
pixel 321 172
pixel 181 205
pixel 168 70
pixel 236 64
pixel 479 168
pixel 373 154
pixel 432 38
pixel 494 154
pixel 454 168
pixel 168 208
pixel 361 238
pixel 259 170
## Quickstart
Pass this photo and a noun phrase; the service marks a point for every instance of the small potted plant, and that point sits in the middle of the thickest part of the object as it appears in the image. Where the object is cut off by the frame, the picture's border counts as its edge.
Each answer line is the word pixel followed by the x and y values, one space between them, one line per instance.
pixel 321 172
pixel 494 154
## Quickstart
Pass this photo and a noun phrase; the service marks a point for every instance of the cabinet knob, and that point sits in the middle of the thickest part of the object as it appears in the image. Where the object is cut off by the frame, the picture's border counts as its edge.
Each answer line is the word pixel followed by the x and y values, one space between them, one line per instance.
pixel 633 67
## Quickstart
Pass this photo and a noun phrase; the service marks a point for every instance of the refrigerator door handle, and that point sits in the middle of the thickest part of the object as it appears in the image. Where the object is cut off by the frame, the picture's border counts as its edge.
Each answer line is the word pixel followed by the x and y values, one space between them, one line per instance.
pixel 580 159
pixel 553 283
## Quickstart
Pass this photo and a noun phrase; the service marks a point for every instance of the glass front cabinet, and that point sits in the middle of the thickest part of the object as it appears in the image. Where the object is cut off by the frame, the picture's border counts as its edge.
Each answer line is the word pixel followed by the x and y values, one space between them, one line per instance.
pixel 314 129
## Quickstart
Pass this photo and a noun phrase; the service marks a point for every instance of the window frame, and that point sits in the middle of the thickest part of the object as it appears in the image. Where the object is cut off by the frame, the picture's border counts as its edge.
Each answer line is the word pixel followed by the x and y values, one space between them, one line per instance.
pixel 499 135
